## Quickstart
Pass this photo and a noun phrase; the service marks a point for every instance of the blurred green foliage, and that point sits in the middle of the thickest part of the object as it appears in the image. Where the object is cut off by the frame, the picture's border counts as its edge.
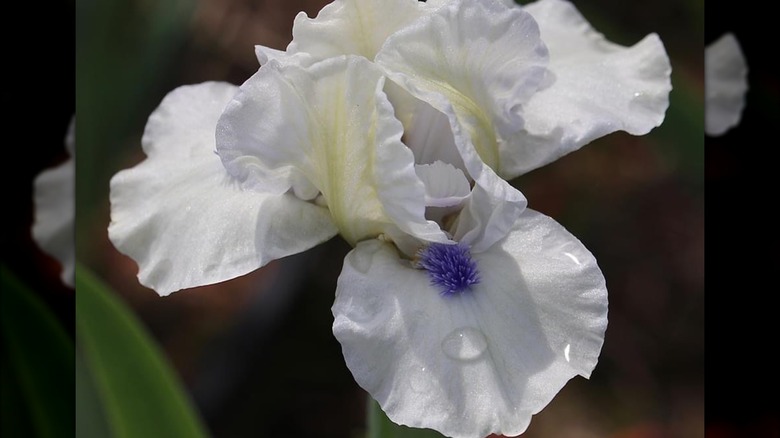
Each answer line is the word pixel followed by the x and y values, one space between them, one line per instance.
pixel 123 374
pixel 37 365
pixel 124 386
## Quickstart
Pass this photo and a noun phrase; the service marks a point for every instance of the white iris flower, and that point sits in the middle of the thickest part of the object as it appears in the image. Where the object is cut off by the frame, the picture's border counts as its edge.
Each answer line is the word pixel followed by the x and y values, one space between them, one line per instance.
pixel 54 199
pixel 395 123
pixel 725 79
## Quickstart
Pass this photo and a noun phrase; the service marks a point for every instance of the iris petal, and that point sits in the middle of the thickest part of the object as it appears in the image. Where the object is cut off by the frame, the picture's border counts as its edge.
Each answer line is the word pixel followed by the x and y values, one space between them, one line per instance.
pixel 54 199
pixel 352 27
pixel 330 131
pixel 184 219
pixel 725 78
pixel 483 59
pixel 594 87
pixel 482 361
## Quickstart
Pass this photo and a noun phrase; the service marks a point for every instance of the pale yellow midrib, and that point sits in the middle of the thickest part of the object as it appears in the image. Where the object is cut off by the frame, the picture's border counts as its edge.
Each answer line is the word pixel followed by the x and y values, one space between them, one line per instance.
pixel 365 220
pixel 463 106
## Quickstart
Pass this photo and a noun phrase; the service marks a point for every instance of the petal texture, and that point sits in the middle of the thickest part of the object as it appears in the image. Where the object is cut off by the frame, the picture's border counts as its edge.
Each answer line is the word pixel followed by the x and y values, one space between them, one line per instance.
pixel 725 77
pixel 489 213
pixel 184 219
pixel 493 206
pixel 54 200
pixel 327 129
pixel 482 58
pixel 445 185
pixel 352 27
pixel 593 88
pixel 484 360
pixel 265 54
pixel 427 131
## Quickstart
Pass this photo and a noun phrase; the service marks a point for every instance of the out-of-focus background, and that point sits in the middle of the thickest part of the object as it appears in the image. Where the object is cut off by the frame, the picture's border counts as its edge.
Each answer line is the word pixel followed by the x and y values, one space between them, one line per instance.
pixel 36 308
pixel 257 355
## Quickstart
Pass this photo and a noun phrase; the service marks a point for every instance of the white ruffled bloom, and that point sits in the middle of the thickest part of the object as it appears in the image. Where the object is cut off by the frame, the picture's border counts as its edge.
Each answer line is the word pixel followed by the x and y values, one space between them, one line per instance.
pixel 394 124
pixel 54 200
pixel 725 79
pixel 529 84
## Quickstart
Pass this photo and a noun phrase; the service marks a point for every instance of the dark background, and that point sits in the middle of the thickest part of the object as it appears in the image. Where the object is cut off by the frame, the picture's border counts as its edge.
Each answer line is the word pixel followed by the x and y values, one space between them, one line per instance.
pixel 40 100
pixel 740 182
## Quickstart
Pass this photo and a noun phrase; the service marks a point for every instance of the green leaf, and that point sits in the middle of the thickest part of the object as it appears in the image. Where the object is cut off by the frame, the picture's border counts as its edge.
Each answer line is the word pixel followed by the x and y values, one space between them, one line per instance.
pixel 379 426
pixel 14 411
pixel 139 393
pixel 91 420
pixel 37 364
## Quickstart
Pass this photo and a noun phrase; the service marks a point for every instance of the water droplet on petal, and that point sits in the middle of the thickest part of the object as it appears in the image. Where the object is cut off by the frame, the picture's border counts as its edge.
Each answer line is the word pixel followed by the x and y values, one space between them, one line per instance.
pixel 566 352
pixel 464 344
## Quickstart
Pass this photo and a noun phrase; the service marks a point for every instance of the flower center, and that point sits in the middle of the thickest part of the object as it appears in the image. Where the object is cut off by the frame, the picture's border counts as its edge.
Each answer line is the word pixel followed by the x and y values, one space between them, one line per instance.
pixel 450 267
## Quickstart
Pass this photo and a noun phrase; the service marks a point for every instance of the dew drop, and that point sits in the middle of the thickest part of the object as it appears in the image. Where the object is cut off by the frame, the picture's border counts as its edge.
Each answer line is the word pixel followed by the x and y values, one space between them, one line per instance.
pixel 566 351
pixel 464 344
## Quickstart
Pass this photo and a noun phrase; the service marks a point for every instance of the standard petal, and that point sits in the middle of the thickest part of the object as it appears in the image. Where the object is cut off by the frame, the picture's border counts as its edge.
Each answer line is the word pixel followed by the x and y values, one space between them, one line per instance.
pixel 184 220
pixel 327 129
pixel 725 77
pixel 427 131
pixel 489 213
pixel 445 185
pixel 352 27
pixel 594 87
pixel 439 3
pixel 480 57
pixel 493 205
pixel 54 200
pixel 265 54
pixel 483 360
pixel 446 190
